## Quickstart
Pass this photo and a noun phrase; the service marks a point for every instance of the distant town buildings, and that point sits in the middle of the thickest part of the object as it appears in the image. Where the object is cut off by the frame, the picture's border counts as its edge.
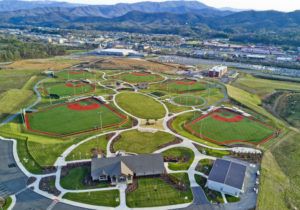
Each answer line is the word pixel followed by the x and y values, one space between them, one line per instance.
pixel 217 71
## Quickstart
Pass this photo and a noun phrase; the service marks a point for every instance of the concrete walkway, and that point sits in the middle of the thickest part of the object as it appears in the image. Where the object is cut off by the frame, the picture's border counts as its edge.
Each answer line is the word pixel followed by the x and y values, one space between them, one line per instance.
pixel 53 202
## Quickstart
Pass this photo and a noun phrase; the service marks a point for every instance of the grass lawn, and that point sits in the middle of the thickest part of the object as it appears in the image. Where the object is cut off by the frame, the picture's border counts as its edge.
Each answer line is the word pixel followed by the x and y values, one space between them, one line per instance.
pixel 76 75
pixel 174 108
pixel 61 120
pixel 136 77
pixel 109 198
pixel 7 204
pixel 140 105
pixel 63 89
pixel 252 102
pixel 271 173
pixel 204 166
pixel 287 155
pixel 262 87
pixel 189 100
pixel 13 100
pixel 212 196
pixel 74 180
pixel 212 152
pixel 184 155
pixel 84 151
pixel 38 65
pixel 153 192
pixel 243 130
pixel 232 199
pixel 142 142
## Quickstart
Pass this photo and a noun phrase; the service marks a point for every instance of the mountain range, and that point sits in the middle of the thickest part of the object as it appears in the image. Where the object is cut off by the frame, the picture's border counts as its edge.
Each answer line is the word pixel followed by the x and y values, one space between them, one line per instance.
pixel 189 18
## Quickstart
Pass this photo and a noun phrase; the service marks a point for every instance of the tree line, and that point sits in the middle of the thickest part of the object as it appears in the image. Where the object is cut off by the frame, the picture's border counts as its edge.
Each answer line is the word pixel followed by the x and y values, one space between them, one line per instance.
pixel 13 49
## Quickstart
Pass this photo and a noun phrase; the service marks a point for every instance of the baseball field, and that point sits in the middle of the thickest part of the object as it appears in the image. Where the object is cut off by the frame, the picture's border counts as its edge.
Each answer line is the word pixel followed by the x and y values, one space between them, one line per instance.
pixel 224 126
pixel 74 118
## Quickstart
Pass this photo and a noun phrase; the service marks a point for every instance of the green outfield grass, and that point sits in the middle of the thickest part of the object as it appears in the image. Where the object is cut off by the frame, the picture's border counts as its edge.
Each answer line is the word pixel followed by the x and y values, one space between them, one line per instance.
pixel 182 86
pixel 153 192
pixel 244 130
pixel 142 142
pixel 109 198
pixel 62 89
pixel 189 100
pixel 61 120
pixel 177 125
pixel 136 77
pixel 69 75
pixel 184 155
pixel 140 105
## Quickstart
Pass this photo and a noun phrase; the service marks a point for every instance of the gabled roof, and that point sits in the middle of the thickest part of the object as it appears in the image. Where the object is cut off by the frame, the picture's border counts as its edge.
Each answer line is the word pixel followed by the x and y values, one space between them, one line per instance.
pixel 139 164
pixel 228 172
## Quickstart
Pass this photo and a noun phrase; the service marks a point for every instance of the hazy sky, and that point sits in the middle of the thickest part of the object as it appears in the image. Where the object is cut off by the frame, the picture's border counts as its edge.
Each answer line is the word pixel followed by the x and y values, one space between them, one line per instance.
pixel 283 5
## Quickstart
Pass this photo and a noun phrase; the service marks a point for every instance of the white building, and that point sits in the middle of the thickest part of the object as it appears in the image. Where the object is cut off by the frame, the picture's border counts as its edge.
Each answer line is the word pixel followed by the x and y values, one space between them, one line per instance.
pixel 117 52
pixel 227 177
pixel 217 71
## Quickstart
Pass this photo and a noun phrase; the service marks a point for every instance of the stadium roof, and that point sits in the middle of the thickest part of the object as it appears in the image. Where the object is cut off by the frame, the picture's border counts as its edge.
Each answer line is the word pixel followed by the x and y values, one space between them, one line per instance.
pixel 228 172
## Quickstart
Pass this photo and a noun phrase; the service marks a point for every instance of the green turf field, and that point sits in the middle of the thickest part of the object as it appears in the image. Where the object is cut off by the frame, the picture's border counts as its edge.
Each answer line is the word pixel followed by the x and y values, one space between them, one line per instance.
pixel 189 100
pixel 156 192
pixel 136 77
pixel 63 89
pixel 69 75
pixel 61 120
pixel 142 142
pixel 245 130
pixel 140 105
pixel 99 198
pixel 179 86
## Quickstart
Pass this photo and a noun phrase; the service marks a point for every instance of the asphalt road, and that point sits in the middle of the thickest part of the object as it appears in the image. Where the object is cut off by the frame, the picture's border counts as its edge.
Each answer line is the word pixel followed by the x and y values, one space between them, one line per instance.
pixel 12 179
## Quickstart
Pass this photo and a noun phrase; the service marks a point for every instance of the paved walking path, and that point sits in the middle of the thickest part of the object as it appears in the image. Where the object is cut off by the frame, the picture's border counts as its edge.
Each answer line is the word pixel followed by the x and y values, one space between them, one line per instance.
pixel 53 202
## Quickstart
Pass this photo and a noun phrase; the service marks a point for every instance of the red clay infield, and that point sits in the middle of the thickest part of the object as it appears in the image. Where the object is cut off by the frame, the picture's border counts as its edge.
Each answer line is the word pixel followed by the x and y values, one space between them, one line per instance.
pixel 236 118
pixel 69 84
pixel 185 83
pixel 76 72
pixel 140 74
pixel 79 107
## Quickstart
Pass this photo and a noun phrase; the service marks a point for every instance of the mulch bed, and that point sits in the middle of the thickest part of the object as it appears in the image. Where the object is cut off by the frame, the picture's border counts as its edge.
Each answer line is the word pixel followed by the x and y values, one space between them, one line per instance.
pixel 45 185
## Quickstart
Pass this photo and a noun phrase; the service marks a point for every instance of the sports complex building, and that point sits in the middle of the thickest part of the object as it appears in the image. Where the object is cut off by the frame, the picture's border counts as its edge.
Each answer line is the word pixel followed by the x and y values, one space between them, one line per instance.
pixel 227 177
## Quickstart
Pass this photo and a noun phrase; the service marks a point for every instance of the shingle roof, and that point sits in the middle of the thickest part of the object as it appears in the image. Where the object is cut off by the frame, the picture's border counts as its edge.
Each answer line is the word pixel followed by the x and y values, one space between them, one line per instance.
pixel 228 172
pixel 139 164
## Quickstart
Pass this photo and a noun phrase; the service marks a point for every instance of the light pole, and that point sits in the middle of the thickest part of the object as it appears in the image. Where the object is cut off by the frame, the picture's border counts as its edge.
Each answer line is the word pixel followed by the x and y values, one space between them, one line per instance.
pixel 100 115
